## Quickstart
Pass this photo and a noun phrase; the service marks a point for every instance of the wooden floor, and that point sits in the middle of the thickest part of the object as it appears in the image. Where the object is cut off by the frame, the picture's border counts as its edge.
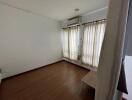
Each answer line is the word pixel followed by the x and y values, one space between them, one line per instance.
pixel 60 81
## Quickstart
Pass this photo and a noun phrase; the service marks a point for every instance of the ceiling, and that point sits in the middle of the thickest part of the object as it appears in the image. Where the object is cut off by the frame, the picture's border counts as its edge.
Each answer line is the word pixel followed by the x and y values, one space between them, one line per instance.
pixel 57 9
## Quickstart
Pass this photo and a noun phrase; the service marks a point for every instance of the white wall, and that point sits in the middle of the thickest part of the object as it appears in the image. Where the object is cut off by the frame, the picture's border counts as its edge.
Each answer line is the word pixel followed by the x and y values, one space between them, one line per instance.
pixel 128 72
pixel 129 33
pixel 95 15
pixel 27 41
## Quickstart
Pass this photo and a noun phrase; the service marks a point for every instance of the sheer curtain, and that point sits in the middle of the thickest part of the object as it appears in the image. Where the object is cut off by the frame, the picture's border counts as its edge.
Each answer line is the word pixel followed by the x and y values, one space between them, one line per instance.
pixel 65 42
pixel 74 42
pixel 92 42
pixel 70 42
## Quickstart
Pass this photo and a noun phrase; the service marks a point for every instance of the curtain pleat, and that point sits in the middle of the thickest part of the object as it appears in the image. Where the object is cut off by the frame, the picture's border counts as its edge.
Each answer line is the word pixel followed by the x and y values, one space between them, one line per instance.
pixel 65 42
pixel 92 42
pixel 74 42
pixel 70 41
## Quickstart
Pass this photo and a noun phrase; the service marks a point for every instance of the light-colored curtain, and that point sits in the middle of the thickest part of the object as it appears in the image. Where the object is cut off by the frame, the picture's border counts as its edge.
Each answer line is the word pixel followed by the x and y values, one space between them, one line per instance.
pixel 92 42
pixel 65 41
pixel 70 42
pixel 74 42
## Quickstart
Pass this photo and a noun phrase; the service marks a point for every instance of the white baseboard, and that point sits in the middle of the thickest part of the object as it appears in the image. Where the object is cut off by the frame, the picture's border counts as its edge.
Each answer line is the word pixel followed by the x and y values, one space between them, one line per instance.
pixel 30 69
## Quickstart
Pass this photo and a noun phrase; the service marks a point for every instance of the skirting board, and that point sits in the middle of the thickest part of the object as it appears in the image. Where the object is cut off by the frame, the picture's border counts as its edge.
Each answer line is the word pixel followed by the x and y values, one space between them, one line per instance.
pixel 32 69
pixel 80 64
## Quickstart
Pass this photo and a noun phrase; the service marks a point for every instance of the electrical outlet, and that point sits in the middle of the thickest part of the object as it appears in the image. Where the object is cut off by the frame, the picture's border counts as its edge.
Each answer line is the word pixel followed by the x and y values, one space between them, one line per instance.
pixel 0 76
pixel 0 70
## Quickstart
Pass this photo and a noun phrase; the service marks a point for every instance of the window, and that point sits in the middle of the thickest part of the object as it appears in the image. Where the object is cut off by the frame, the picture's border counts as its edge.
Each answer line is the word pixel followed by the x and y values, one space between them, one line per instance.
pixel 93 35
pixel 70 39
pixel 92 42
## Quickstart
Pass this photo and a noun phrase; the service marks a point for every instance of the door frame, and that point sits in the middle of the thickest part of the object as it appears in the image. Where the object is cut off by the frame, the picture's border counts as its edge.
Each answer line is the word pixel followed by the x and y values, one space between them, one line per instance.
pixel 112 51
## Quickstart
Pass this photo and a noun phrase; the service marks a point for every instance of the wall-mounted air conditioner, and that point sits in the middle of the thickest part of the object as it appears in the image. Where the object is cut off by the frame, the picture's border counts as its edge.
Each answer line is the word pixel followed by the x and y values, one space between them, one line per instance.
pixel 74 21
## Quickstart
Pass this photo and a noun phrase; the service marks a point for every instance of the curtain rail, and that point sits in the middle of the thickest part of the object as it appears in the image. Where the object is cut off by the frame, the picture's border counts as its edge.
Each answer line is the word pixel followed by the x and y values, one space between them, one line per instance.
pixel 95 21
pixel 85 23
pixel 71 26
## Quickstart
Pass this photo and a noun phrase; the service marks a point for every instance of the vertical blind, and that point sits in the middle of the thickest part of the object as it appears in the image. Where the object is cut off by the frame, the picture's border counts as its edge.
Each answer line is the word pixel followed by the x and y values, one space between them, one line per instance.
pixel 92 42
pixel 93 36
pixel 70 39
